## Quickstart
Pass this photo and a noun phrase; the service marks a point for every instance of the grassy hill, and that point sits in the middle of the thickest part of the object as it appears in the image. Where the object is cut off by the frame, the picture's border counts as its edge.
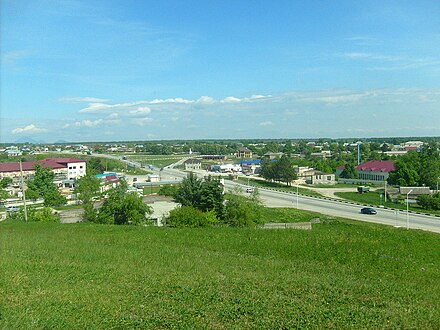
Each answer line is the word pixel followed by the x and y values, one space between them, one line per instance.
pixel 341 274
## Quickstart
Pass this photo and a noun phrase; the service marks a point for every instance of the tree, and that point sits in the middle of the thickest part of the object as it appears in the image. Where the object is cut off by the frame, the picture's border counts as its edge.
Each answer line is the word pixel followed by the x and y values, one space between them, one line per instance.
pixel 188 216
pixel 429 202
pixel 123 208
pixel 5 182
pixel 95 166
pixel 349 172
pixel 280 170
pixel 189 191
pixel 42 186
pixel 242 211
pixel 204 195
pixel 87 187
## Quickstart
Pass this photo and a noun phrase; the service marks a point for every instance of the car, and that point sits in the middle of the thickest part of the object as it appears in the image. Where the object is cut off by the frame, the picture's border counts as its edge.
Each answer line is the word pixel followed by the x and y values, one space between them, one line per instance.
pixel 368 210
pixel 249 190
pixel 12 208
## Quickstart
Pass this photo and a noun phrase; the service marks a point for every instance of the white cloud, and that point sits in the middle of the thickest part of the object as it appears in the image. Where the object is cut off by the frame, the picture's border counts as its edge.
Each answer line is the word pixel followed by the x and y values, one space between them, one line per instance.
pixel 230 99
pixel 259 97
pixel 265 123
pixel 28 129
pixel 206 100
pixel 176 100
pixel 140 111
pixel 81 99
pixel 113 115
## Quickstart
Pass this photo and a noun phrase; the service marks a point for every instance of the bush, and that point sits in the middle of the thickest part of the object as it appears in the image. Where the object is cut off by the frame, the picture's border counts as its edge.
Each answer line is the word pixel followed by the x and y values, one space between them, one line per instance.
pixel 241 211
pixel 168 190
pixel 429 202
pixel 44 214
pixel 188 216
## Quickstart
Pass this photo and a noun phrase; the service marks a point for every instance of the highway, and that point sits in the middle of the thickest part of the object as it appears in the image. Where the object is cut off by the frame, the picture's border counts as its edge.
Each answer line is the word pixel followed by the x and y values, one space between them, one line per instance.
pixel 273 198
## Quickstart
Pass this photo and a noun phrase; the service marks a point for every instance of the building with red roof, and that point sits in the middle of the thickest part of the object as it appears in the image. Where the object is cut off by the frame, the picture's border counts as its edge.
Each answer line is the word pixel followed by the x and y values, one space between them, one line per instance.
pixel 64 168
pixel 373 171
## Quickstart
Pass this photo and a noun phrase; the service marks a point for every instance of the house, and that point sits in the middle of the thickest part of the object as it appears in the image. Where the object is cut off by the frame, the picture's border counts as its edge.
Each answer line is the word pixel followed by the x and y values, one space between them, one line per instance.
pixel 63 168
pixel 192 164
pixel 244 152
pixel 321 178
pixel 373 171
pixel 273 155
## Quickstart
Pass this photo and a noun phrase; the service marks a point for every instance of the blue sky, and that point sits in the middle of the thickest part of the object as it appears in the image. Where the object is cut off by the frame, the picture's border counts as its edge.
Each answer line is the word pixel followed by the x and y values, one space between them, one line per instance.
pixel 142 70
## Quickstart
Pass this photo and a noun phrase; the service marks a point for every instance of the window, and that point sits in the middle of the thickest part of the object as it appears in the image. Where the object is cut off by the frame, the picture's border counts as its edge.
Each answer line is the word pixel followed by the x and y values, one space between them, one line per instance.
pixel 70 167
pixel 81 166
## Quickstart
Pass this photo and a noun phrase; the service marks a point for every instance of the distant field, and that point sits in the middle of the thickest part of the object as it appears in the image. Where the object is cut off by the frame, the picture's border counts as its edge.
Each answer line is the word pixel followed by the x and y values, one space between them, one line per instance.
pixel 266 184
pixel 373 198
pixel 341 274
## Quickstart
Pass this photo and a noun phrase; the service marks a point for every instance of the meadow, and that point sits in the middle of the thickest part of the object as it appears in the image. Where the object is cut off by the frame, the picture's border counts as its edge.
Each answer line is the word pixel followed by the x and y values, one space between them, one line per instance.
pixel 340 274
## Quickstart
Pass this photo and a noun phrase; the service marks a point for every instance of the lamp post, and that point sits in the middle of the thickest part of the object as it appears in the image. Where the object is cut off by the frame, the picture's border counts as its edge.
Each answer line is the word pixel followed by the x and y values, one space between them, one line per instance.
pixel 407 209
pixel 297 197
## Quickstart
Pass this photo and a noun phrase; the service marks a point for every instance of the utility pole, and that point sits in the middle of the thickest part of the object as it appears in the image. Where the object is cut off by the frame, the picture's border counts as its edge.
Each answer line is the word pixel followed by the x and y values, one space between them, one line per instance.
pixel 23 193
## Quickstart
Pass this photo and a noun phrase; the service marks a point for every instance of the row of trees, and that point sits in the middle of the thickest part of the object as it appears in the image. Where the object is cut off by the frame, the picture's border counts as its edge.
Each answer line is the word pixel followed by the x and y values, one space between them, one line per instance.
pixel 417 168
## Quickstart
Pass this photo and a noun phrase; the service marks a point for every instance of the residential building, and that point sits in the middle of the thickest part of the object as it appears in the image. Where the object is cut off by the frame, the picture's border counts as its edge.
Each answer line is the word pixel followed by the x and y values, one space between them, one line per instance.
pixel 273 155
pixel 192 164
pixel 63 168
pixel 244 152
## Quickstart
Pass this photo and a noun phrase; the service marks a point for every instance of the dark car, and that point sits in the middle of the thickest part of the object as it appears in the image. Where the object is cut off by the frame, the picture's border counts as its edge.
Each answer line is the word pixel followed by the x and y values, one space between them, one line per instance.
pixel 368 210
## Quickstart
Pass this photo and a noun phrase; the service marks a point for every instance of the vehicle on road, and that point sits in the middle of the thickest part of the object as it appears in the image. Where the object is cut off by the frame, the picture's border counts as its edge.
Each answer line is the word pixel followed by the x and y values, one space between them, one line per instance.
pixel 368 210
pixel 249 190
pixel 12 208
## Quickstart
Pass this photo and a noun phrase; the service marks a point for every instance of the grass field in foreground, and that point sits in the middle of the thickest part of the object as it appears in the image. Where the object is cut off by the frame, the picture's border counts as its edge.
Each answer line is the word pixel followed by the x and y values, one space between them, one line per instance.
pixel 341 274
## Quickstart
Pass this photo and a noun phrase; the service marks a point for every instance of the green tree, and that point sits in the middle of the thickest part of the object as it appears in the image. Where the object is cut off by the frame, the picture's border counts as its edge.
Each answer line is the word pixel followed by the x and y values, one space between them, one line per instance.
pixel 429 202
pixel 242 211
pixel 5 182
pixel 284 170
pixel 205 195
pixel 42 186
pixel 189 191
pixel 188 216
pixel 95 166
pixel 87 188
pixel 123 207
pixel 349 172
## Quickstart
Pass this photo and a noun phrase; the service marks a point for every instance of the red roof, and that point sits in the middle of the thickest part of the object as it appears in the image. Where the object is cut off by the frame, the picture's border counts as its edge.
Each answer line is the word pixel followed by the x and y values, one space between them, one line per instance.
pixel 54 163
pixel 377 166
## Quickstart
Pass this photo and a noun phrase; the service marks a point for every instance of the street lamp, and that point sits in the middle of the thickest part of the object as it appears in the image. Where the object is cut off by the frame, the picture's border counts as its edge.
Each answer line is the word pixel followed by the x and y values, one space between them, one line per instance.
pixel 297 197
pixel 407 208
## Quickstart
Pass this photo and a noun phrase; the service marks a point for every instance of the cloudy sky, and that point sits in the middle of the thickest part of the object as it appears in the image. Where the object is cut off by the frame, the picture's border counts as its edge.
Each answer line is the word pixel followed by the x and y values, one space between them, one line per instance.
pixel 145 70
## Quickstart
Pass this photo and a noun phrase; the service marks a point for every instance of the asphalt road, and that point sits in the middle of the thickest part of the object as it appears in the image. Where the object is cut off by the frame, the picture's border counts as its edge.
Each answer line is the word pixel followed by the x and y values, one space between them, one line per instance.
pixel 272 198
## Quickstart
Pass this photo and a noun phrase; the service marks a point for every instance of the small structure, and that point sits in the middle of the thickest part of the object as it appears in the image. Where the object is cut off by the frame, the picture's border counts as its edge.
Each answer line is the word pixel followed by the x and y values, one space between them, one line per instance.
pixel 192 164
pixel 363 189
pixel 153 178
pixel 244 152
pixel 273 155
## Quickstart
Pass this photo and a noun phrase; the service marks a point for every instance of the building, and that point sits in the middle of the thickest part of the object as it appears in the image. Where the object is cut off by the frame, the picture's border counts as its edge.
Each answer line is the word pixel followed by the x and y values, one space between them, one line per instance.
pixel 244 152
pixel 321 178
pixel 192 164
pixel 63 168
pixel 373 171
pixel 273 155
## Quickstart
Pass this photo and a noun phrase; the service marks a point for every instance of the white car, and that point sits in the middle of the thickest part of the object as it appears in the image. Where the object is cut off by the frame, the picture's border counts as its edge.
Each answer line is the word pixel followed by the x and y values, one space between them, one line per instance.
pixel 12 208
pixel 249 190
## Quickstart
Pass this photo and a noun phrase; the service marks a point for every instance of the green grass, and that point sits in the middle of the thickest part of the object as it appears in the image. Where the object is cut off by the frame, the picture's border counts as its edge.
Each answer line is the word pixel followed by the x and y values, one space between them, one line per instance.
pixel 279 186
pixel 338 185
pixel 284 215
pixel 373 198
pixel 341 274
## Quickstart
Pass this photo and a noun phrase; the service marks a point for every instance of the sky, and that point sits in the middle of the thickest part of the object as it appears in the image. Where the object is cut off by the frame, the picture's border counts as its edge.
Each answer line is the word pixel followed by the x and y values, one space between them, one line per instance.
pixel 137 70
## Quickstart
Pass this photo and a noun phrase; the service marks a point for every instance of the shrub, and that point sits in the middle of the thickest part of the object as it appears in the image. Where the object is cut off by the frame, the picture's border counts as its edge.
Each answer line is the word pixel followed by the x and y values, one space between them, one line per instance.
pixel 168 190
pixel 188 216
pixel 241 211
